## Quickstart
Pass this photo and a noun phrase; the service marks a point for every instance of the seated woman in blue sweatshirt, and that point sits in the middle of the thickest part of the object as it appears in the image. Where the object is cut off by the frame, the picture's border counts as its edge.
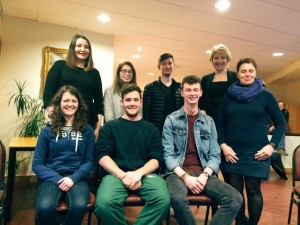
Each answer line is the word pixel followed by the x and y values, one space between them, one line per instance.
pixel 63 159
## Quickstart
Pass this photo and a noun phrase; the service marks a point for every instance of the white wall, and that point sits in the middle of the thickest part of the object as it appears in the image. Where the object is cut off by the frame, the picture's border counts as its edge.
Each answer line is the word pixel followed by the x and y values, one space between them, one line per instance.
pixel 291 142
pixel 21 58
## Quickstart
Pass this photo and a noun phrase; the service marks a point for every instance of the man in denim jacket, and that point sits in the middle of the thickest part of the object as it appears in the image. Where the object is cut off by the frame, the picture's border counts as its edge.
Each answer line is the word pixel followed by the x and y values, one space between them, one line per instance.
pixel 192 158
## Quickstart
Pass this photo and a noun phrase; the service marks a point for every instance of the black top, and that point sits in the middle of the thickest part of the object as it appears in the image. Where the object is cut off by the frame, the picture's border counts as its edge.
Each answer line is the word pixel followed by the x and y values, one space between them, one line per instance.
pixel 131 144
pixel 242 126
pixel 88 83
pixel 213 92
pixel 155 107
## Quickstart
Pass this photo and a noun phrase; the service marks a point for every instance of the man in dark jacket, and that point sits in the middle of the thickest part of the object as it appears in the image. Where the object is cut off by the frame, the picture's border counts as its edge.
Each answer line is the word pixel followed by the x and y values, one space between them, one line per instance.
pixel 159 98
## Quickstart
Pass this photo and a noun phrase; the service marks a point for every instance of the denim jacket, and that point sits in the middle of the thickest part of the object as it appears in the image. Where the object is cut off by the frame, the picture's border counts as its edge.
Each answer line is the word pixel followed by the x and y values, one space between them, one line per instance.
pixel 175 135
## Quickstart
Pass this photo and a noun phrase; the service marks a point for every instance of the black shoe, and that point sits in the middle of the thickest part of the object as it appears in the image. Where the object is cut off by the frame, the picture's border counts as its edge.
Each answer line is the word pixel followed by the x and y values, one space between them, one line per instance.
pixel 246 219
pixel 281 151
pixel 284 177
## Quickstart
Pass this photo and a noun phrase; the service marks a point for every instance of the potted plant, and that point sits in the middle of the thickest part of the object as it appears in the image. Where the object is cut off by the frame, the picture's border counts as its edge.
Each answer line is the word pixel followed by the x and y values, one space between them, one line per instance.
pixel 30 108
pixel 33 112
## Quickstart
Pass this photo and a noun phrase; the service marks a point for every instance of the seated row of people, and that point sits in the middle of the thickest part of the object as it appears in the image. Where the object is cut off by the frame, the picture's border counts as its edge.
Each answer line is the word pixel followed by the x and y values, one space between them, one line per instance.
pixel 131 152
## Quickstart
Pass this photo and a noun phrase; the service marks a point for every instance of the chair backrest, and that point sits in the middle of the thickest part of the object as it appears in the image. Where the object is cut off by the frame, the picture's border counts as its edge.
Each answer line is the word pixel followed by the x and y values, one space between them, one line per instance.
pixel 2 164
pixel 296 165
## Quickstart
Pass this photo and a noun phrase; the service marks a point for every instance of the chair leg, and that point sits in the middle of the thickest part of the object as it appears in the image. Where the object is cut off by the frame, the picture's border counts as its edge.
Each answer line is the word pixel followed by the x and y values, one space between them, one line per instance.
pixel 214 209
pixel 206 215
pixel 168 217
pixel 291 207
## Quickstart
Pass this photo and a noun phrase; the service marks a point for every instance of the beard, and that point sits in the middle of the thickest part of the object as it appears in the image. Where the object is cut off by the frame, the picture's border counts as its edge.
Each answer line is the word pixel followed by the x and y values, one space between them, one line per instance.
pixel 131 114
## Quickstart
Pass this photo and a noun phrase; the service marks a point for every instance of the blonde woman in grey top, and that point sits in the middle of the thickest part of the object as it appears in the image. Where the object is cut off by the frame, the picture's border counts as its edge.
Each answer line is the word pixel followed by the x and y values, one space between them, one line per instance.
pixel 112 96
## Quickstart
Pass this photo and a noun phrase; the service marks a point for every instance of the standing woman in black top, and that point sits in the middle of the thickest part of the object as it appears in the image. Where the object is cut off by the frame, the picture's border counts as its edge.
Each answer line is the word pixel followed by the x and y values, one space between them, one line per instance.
pixel 78 70
pixel 215 84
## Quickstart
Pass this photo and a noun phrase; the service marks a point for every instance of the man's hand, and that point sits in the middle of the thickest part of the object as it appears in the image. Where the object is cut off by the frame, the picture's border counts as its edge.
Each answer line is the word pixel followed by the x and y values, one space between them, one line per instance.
pixel 195 184
pixel 132 180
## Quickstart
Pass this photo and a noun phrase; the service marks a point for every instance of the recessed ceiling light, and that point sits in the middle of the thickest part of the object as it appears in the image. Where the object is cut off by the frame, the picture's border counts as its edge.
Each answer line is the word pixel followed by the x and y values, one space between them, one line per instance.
pixel 208 51
pixel 150 74
pixel 222 5
pixel 278 54
pixel 121 60
pixel 104 18
pixel 139 49
pixel 136 56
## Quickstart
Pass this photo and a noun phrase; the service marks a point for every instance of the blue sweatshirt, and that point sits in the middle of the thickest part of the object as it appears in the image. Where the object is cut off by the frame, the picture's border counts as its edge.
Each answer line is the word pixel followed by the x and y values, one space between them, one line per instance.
pixel 65 154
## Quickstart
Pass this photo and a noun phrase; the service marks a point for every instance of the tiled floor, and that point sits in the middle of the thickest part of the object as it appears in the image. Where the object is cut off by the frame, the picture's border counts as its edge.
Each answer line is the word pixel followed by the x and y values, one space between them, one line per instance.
pixel 276 194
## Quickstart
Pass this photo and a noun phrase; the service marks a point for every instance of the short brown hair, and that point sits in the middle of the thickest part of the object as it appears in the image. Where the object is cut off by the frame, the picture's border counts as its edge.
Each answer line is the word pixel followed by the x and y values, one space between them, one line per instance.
pixel 190 79
pixel 127 88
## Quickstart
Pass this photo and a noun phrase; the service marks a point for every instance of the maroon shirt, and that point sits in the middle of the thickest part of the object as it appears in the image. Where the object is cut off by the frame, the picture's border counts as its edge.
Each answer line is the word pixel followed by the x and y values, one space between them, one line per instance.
pixel 192 162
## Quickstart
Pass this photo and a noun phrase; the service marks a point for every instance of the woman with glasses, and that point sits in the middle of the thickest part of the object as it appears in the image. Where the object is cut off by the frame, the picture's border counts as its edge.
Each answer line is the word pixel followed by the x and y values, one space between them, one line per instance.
pixel 78 70
pixel 112 96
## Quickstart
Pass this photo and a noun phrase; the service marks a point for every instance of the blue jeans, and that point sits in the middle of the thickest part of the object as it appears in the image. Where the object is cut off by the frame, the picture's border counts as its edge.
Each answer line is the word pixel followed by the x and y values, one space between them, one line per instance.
pixel 282 142
pixel 112 194
pixel 48 196
pixel 225 195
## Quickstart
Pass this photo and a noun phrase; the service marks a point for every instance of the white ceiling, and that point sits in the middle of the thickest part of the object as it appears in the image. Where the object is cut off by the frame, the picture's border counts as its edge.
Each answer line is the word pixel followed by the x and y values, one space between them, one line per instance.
pixel 185 28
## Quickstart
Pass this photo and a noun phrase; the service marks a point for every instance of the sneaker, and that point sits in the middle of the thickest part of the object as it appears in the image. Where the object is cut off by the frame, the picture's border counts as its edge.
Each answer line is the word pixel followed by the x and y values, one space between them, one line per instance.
pixel 281 151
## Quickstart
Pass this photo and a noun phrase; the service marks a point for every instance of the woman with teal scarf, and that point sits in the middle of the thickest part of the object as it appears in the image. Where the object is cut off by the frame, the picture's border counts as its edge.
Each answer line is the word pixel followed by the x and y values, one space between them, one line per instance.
pixel 241 125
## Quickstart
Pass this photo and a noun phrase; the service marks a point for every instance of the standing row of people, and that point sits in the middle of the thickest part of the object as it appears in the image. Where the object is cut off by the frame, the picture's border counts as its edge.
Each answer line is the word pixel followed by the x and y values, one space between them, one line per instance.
pixel 130 148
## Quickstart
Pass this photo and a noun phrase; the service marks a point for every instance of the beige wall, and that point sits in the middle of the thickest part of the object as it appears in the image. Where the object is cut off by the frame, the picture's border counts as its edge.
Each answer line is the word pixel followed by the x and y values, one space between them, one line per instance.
pixel 21 58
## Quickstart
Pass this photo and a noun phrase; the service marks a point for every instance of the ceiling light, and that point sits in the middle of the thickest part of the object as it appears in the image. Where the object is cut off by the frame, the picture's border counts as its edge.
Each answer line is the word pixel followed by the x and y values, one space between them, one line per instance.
pixel 136 56
pixel 278 54
pixel 104 18
pixel 121 60
pixel 208 51
pixel 222 5
pixel 139 49
pixel 150 74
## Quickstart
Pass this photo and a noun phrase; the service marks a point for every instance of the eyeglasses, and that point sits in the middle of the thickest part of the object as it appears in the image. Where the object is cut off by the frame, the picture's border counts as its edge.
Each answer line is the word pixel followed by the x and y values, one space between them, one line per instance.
pixel 124 71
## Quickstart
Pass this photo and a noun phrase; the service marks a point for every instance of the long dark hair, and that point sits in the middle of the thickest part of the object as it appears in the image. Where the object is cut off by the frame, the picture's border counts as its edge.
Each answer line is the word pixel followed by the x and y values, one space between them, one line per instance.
pixel 71 56
pixel 118 83
pixel 58 120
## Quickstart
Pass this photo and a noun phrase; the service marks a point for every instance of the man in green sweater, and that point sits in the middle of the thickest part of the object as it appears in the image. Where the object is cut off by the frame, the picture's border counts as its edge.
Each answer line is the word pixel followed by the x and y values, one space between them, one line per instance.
pixel 130 151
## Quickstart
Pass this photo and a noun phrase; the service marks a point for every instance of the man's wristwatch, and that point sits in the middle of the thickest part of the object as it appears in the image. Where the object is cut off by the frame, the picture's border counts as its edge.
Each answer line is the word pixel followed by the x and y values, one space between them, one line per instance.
pixel 205 173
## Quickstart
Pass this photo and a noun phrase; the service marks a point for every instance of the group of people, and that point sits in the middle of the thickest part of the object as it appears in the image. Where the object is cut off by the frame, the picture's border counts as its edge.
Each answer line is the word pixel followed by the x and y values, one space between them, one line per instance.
pixel 162 144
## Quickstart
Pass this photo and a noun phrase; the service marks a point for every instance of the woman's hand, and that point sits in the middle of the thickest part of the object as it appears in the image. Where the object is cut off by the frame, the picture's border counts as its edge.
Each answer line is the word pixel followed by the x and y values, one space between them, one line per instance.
pixel 229 154
pixel 264 153
pixel 96 133
pixel 65 183
pixel 49 110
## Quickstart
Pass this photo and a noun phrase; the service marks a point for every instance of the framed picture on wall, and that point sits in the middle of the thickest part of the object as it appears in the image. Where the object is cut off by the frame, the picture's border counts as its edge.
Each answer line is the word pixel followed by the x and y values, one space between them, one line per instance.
pixel 50 56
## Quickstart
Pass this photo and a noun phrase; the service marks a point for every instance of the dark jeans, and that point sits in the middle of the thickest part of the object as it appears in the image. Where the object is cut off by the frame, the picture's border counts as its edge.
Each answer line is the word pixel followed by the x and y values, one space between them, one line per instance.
pixel 225 195
pixel 48 196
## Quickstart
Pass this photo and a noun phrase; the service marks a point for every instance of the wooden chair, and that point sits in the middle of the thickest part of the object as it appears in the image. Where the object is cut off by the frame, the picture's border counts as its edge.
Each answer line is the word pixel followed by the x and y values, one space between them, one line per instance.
pixel 295 196
pixel 200 200
pixel 2 195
